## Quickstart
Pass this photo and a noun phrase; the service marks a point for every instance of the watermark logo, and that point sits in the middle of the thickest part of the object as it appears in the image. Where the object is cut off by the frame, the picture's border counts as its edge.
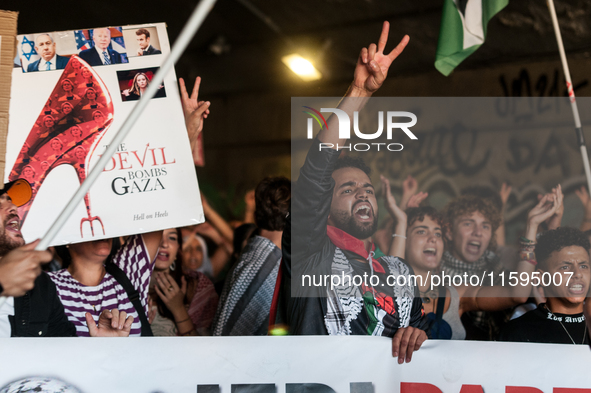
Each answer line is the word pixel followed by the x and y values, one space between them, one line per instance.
pixel 345 123
pixel 392 120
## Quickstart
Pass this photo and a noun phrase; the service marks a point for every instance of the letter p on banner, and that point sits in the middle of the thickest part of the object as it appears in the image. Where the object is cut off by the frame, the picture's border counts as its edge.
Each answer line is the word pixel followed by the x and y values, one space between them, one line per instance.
pixel 522 389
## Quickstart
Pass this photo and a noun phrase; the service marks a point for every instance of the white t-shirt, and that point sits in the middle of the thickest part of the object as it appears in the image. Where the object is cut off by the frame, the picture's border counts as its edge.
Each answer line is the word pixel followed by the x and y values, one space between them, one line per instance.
pixel 6 309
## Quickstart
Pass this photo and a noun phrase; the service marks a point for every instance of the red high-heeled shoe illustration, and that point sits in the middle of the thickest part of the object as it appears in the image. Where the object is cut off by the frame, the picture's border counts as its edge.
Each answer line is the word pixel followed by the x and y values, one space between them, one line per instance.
pixel 74 119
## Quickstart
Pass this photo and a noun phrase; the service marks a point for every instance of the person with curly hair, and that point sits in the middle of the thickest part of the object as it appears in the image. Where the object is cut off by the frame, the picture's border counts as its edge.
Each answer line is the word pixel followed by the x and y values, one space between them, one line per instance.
pixel 445 302
pixel 470 223
pixel 564 268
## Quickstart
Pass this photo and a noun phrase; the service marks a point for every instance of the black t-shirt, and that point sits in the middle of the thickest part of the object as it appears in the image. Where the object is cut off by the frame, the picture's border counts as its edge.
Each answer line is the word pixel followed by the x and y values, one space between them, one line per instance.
pixel 542 326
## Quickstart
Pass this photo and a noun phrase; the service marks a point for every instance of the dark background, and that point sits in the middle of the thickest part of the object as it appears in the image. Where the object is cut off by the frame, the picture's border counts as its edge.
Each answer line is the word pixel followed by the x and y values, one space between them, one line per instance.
pixel 238 53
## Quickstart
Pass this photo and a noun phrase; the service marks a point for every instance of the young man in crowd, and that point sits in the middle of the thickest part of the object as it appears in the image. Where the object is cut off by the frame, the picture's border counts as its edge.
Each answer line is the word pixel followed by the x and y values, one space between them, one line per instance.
pixel 563 264
pixel 29 305
pixel 470 226
pixel 329 233
pixel 245 302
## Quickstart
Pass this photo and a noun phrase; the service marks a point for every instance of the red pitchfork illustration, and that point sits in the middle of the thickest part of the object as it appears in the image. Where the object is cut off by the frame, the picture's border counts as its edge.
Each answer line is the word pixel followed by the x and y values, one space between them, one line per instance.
pixel 73 121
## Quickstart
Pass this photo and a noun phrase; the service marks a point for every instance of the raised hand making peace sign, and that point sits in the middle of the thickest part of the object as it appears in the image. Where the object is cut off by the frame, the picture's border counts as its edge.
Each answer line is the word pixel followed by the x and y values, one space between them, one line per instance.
pixel 372 65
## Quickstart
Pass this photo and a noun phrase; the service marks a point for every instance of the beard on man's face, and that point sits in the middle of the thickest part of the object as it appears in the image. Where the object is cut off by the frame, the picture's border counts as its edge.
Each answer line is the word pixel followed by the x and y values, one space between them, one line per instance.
pixel 346 222
pixel 7 243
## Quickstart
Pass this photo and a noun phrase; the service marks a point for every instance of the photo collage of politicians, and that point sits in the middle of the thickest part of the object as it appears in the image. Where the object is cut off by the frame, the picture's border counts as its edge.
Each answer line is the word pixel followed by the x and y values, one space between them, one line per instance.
pixel 71 92
pixel 97 47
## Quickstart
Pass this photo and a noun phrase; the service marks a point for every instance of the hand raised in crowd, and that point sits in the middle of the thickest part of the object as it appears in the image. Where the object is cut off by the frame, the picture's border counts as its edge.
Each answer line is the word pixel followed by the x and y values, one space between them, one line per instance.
pixel 195 112
pixel 393 209
pixel 417 199
pixel 397 247
pixel 546 208
pixel 170 293
pixel 111 323
pixel 20 267
pixel 409 188
pixel 372 66
pixel 406 341
pixel 249 200
pixel 505 192
pixel 205 205
pixel 583 195
pixel 555 220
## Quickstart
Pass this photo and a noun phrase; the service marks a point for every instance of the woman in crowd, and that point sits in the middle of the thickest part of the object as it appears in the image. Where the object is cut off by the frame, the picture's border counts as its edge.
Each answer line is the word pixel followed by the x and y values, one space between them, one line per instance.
pixel 183 300
pixel 85 285
pixel 88 284
pixel 216 233
pixel 445 304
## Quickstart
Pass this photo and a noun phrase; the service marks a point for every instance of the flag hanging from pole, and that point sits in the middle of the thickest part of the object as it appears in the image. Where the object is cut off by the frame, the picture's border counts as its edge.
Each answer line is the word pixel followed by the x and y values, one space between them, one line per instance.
pixel 463 30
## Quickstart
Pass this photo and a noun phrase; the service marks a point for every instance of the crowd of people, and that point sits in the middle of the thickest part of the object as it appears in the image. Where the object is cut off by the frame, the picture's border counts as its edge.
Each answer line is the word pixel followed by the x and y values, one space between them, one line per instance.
pixel 262 275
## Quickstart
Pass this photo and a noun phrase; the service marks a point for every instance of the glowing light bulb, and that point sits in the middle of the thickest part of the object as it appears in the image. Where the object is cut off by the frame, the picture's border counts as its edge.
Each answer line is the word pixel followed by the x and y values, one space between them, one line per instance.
pixel 302 67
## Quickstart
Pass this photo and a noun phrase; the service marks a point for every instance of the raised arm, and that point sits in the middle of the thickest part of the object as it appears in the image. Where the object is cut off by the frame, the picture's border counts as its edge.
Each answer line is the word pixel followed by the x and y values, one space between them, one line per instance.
pixel 312 194
pixel 398 241
pixel 217 221
pixel 501 297
pixel 370 72
pixel 586 201
pixel 500 233
pixel 195 112
pixel 409 188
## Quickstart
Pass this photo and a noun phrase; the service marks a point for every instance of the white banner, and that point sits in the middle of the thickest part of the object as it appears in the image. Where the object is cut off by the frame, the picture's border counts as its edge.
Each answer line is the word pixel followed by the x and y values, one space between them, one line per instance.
pixel 65 109
pixel 283 364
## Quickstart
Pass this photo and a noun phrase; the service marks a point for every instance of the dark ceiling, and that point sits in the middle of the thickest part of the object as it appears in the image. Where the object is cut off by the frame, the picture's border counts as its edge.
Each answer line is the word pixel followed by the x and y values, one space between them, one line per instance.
pixel 250 36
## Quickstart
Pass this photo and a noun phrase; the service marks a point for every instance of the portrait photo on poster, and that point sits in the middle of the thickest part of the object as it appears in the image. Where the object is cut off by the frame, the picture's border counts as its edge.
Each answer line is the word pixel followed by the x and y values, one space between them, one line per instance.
pixel 45 51
pixel 133 83
pixel 101 46
pixel 142 41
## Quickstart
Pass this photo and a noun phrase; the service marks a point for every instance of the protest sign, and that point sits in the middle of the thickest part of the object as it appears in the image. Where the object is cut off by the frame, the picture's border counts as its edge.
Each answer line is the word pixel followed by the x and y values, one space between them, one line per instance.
pixel 313 364
pixel 71 94
pixel 7 45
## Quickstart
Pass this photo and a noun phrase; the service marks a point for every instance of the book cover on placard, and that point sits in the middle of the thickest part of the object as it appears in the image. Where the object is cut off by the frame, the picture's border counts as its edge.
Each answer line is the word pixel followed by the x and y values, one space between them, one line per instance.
pixel 71 93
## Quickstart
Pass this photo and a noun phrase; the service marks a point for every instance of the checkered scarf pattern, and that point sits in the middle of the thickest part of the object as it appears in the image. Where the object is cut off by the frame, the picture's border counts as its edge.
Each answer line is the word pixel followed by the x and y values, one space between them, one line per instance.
pixel 488 262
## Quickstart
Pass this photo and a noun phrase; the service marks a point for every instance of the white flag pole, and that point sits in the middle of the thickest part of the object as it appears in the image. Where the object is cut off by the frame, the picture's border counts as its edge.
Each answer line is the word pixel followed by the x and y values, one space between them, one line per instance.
pixel 193 24
pixel 177 50
pixel 571 94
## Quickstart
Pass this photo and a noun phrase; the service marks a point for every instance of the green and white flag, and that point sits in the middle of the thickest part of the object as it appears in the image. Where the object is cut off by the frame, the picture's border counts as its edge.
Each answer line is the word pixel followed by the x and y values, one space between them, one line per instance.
pixel 463 30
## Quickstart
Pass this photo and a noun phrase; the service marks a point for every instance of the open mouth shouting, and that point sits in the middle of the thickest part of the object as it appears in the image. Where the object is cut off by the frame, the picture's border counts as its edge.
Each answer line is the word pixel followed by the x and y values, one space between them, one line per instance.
pixel 430 251
pixel 363 212
pixel 13 225
pixel 577 289
pixel 163 256
pixel 473 247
